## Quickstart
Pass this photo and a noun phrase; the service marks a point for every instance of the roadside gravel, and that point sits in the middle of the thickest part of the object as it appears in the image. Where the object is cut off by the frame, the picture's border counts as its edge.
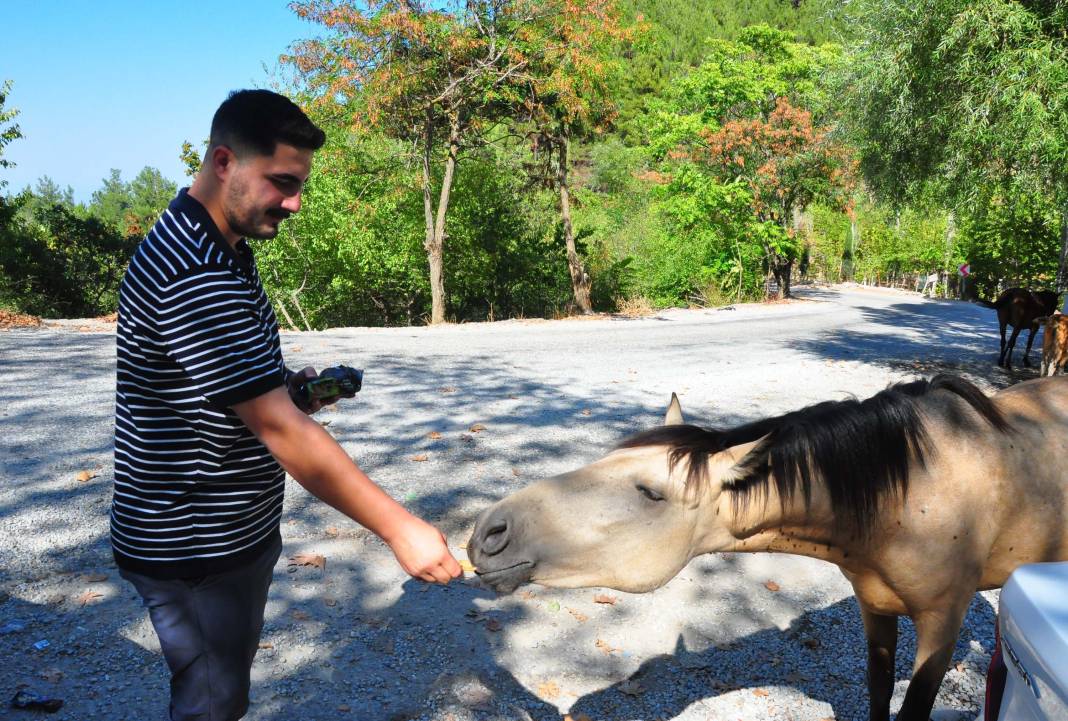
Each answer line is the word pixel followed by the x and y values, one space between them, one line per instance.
pixel 358 640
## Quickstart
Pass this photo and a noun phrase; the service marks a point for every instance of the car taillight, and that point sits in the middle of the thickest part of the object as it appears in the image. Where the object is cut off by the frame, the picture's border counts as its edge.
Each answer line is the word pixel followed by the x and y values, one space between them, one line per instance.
pixel 995 679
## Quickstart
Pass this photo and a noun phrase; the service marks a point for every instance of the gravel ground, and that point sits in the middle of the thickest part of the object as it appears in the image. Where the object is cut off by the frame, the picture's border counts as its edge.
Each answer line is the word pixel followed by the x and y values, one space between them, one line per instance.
pixel 358 640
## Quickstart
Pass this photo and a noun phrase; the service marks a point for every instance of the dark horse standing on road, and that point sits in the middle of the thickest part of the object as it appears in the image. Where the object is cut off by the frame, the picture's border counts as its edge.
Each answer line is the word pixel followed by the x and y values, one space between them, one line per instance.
pixel 1021 308
pixel 922 495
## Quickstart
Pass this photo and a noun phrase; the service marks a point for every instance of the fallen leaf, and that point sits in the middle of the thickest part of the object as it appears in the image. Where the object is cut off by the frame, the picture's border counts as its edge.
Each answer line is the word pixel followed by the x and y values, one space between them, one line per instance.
pixel 605 647
pixel 332 532
pixel 86 476
pixel 299 615
pixel 515 471
pixel 330 601
pixel 420 458
pixel 308 559
pixel 477 428
pixel 467 566
pixel 88 597
pixel 548 690
pixel 771 586
pixel 95 577
pixel 447 389
pixel 631 688
pixel 324 424
pixel 580 717
pixel 493 625
pixel 761 692
pixel 266 645
pixel 605 598
pixel 961 667
pixel 527 595
pixel 296 349
pixel 52 675
pixel 586 411
pixel 579 616
pixel 554 606
pixel 433 435
pixel 344 708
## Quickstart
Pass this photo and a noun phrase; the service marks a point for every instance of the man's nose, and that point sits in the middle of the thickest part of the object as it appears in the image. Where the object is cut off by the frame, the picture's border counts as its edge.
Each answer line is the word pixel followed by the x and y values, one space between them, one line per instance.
pixel 292 203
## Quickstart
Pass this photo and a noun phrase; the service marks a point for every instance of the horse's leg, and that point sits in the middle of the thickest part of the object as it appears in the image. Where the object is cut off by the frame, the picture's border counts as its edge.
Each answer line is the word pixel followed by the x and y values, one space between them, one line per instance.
pixel 1030 340
pixel 936 635
pixel 882 645
pixel 1008 349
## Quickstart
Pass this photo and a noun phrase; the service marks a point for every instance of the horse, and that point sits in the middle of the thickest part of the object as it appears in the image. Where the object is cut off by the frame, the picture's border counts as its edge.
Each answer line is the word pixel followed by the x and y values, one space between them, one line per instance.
pixel 1054 343
pixel 1020 308
pixel 922 495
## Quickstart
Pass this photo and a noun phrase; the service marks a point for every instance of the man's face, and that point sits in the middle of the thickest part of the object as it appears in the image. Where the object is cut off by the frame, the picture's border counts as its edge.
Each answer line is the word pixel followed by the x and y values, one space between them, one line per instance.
pixel 261 191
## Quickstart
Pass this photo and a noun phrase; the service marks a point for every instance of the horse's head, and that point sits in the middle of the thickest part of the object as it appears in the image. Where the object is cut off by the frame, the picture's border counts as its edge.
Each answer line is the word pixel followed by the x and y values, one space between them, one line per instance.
pixel 628 521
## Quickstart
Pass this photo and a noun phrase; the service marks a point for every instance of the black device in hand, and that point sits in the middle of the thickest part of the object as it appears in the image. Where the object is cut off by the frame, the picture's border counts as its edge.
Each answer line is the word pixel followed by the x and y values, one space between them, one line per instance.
pixel 338 381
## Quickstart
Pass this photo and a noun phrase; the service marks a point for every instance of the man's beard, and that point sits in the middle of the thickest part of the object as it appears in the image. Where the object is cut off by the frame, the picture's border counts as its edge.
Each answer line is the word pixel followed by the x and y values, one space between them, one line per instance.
pixel 242 216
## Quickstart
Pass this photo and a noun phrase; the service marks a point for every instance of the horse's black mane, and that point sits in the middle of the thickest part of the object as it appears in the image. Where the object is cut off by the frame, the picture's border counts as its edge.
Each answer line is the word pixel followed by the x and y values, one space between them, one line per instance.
pixel 860 449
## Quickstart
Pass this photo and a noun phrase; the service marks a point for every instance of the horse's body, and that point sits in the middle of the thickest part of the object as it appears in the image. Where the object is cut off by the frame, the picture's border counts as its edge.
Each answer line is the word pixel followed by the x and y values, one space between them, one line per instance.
pixel 922 495
pixel 1054 344
pixel 1021 309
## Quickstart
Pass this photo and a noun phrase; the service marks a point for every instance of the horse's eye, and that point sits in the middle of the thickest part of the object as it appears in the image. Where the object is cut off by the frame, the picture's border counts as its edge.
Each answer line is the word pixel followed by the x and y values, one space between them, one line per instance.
pixel 649 493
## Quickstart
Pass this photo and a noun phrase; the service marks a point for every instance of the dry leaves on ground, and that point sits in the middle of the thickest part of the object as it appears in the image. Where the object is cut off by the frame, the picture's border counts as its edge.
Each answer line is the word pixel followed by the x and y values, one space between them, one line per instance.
pixel 579 616
pixel 761 692
pixel 88 597
pixel 95 577
pixel 605 598
pixel 18 320
pixel 86 476
pixel 332 532
pixel 308 559
pixel 606 648
pixel 548 690
pixel 422 457
pixel 771 586
pixel 433 435
pixel 477 428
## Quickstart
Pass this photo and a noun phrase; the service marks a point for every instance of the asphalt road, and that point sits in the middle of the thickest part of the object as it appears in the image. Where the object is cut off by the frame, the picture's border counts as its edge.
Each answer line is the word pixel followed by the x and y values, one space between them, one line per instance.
pixel 358 641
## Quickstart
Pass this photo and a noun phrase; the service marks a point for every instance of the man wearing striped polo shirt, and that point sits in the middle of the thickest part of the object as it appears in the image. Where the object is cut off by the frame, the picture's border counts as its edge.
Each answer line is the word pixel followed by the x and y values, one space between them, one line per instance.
pixel 205 421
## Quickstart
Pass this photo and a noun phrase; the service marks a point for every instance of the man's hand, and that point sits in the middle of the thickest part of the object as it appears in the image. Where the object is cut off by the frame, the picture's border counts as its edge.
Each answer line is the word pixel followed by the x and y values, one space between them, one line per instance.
pixel 422 552
pixel 314 405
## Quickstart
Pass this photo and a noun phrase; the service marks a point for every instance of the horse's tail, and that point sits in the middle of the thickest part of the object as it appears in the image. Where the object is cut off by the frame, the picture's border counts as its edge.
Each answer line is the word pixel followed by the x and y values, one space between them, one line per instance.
pixel 986 304
pixel 1003 300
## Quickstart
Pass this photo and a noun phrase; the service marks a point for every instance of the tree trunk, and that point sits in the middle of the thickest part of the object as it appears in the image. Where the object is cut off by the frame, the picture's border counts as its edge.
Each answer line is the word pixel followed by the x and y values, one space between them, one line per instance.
pixel 435 235
pixel 580 282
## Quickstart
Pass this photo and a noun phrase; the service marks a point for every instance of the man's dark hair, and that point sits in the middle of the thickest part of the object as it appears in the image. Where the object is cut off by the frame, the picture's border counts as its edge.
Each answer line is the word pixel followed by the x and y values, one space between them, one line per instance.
pixel 255 121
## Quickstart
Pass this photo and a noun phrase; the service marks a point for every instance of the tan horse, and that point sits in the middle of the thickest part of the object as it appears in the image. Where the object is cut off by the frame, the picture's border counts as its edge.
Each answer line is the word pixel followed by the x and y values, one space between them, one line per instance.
pixel 922 494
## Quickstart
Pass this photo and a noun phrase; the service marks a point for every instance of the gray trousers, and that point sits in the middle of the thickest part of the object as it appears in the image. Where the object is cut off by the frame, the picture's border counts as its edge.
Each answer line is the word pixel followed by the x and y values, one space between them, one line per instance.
pixel 209 630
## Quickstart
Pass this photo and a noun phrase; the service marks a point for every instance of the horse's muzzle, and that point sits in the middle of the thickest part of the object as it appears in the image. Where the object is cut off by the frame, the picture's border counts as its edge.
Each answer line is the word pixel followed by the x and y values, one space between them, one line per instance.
pixel 494 555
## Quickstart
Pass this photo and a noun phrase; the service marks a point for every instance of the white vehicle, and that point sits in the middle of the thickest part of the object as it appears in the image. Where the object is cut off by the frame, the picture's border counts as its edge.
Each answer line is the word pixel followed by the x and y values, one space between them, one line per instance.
pixel 1028 678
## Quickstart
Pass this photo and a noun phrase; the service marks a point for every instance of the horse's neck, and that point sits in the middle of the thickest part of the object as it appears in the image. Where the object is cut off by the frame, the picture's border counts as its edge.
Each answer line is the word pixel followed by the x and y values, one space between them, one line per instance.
pixel 764 525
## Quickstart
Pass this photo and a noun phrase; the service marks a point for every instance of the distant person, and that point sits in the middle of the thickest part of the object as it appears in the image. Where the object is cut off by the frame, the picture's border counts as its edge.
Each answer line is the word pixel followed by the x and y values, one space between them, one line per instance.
pixel 206 417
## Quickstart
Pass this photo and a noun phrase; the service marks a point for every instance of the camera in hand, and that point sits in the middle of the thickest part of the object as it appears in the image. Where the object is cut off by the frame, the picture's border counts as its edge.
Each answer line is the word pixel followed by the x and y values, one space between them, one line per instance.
pixel 338 381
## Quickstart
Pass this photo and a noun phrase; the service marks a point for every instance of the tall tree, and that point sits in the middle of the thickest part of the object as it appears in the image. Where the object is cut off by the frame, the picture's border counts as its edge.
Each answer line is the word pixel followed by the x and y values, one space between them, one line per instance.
pixel 429 74
pixel 969 97
pixel 570 56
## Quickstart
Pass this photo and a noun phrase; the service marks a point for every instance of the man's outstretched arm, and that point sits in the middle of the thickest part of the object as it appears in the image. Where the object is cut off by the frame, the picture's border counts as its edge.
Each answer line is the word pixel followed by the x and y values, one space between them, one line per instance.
pixel 317 462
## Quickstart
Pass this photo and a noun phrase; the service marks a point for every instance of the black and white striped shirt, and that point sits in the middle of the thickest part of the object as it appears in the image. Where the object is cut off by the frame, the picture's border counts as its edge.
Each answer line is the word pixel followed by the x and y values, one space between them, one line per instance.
pixel 195 491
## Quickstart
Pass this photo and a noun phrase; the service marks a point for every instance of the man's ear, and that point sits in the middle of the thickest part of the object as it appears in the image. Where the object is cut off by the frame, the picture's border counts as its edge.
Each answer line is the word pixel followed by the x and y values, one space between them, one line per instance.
pixel 222 161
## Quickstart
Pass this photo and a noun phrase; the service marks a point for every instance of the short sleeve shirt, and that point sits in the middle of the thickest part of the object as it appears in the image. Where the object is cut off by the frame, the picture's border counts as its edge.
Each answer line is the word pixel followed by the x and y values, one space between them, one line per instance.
pixel 195 491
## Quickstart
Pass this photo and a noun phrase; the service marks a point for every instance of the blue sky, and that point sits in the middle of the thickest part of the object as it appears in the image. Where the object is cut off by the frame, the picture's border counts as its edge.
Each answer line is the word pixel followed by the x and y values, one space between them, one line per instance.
pixel 120 84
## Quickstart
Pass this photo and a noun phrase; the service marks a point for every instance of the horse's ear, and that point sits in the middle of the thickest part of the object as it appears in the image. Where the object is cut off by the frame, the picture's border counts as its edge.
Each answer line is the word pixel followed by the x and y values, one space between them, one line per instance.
pixel 738 458
pixel 673 417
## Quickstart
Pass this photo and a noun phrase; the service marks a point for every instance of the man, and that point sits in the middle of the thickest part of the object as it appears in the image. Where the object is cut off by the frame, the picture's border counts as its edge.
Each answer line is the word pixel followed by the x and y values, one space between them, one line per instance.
pixel 205 421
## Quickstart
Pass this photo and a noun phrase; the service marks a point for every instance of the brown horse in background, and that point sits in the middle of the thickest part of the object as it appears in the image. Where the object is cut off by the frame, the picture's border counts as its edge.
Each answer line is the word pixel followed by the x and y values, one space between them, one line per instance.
pixel 1021 308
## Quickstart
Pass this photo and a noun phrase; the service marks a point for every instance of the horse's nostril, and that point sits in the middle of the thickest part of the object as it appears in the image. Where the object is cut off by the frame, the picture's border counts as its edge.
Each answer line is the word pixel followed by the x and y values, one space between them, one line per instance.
pixel 496 538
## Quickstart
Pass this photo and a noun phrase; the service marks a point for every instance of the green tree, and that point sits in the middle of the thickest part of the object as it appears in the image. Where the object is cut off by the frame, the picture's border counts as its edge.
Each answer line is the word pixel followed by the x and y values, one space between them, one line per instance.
pixel 9 131
pixel 968 97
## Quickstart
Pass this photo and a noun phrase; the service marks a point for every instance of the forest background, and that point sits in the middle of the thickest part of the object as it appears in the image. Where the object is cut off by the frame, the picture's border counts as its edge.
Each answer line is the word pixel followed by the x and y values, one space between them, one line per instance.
pixel 493 159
